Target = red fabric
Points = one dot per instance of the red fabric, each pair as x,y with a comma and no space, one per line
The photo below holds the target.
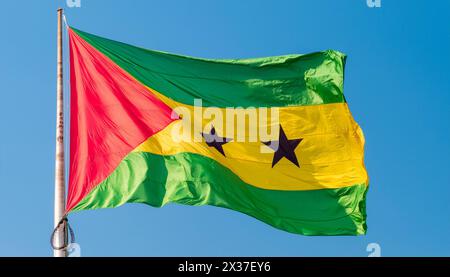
110,115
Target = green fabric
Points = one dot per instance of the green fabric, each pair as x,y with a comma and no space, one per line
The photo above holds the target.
291,80
192,179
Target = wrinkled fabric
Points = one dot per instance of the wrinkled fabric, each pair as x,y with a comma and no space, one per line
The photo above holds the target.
122,148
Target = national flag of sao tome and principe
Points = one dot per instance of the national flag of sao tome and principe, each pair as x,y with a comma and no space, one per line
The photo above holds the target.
310,179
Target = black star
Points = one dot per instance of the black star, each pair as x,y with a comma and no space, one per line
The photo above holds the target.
284,147
213,140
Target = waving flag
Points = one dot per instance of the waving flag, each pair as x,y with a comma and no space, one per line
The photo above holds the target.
129,106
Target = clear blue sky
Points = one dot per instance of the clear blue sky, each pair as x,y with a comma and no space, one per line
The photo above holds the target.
397,85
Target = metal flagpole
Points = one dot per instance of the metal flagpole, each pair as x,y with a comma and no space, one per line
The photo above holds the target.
60,238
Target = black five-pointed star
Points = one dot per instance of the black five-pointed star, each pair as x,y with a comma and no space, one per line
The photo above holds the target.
284,147
213,140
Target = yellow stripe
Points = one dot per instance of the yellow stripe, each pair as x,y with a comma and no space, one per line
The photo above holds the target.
330,155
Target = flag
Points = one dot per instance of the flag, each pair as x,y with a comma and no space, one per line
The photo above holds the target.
269,137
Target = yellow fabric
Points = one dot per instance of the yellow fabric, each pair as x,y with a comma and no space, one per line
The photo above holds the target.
330,155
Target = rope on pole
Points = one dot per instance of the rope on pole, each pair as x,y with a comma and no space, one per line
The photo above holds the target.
64,223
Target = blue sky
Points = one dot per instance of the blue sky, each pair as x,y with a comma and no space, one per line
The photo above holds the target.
397,85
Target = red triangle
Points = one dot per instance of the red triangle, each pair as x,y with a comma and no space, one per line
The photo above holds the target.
110,115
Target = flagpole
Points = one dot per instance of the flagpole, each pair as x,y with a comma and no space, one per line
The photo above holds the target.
60,238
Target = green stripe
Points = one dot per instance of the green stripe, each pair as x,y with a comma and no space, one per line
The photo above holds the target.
291,80
192,179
